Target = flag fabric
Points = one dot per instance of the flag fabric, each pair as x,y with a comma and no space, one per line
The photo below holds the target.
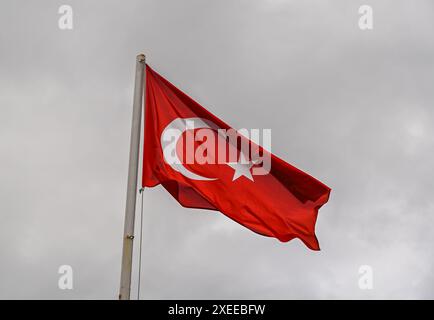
282,203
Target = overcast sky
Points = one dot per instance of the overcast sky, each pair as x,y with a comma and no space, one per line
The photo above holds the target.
353,108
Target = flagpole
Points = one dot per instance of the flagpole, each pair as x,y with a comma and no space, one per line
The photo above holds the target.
127,249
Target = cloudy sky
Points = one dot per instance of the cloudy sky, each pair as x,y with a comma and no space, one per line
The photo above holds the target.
353,108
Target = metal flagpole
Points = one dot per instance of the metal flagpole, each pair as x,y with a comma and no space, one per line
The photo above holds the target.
127,249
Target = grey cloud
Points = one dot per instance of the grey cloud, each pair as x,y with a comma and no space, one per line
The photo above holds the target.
352,108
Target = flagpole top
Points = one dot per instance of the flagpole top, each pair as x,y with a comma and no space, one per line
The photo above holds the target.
141,57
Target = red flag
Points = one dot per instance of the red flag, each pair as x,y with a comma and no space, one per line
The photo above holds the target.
282,203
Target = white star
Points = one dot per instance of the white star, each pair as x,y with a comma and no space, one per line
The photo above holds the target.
242,168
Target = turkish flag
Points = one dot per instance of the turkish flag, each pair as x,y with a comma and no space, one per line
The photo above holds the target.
282,202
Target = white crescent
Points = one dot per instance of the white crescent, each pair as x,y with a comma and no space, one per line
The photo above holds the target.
180,126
